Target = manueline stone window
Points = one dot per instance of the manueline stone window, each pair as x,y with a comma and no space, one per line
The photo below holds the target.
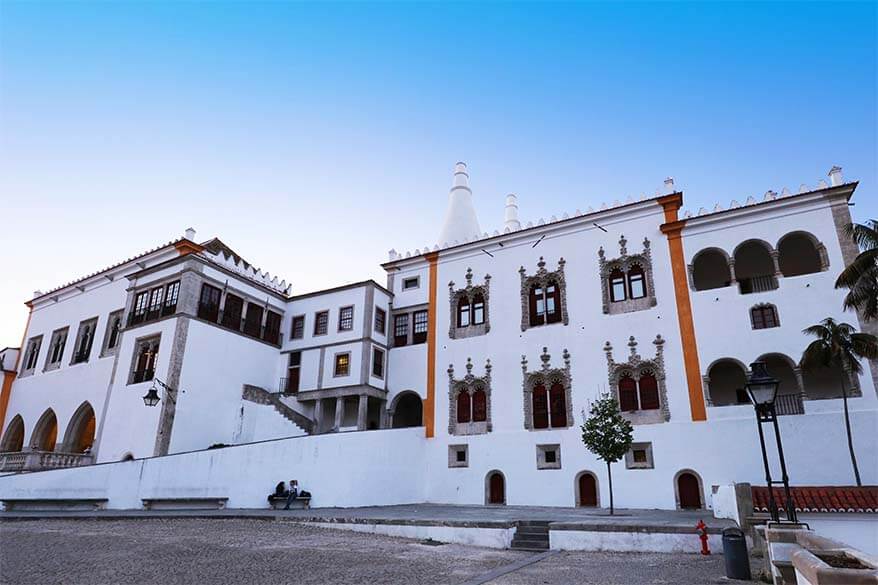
469,401
31,355
84,340
112,333
626,281
56,349
543,296
469,308
548,399
764,316
639,385
146,355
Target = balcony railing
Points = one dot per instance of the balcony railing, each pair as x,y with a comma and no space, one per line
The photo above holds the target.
288,386
40,460
757,284
789,404
152,314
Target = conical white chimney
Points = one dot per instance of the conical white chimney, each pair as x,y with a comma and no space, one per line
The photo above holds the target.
461,223
511,217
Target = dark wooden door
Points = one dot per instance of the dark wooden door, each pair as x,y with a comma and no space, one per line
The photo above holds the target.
690,495
588,491
496,490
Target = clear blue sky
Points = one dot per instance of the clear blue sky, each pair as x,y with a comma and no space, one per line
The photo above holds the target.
315,137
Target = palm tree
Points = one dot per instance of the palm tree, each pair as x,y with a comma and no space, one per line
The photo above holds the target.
861,277
839,344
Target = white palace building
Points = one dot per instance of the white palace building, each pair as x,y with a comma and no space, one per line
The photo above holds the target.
461,379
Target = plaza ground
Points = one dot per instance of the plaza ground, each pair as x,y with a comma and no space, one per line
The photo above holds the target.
214,551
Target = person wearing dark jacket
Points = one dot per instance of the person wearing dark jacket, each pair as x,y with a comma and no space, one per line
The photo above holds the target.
292,494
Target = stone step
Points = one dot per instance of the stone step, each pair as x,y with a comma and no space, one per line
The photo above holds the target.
532,530
528,540
530,546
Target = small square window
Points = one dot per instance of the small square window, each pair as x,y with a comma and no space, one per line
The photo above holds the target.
639,456
342,364
458,456
549,456
321,323
410,283
346,319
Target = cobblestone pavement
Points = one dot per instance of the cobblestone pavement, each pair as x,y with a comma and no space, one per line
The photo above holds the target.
209,551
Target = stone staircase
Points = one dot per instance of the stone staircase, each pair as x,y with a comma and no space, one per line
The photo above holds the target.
531,535
263,396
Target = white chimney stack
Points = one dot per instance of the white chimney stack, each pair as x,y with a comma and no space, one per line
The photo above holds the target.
669,186
461,223
835,177
511,218
190,234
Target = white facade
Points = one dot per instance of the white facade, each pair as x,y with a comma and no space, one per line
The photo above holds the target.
365,358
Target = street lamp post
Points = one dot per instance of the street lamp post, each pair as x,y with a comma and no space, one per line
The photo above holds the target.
151,398
762,389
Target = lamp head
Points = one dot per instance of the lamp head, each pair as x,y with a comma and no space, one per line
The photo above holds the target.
761,387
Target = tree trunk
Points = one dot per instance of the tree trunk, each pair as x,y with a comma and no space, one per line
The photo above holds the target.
847,424
610,476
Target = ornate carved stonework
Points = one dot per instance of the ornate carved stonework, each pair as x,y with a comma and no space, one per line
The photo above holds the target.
542,277
634,367
469,293
471,384
625,262
547,376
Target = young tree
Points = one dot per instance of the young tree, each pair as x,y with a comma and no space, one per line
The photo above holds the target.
839,344
861,277
607,434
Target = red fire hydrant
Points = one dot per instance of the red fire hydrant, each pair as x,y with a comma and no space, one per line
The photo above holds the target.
701,529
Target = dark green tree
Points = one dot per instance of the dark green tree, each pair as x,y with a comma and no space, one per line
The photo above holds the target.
607,434
860,278
839,344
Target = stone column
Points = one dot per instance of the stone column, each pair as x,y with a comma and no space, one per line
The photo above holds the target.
775,259
384,415
734,279
318,415
339,413
362,412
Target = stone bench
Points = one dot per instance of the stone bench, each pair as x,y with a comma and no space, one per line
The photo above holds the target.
185,503
278,502
53,504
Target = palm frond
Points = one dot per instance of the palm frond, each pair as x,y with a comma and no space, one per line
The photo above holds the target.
865,345
817,354
864,266
865,235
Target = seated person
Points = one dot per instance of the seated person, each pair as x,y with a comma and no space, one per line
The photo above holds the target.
280,490
292,494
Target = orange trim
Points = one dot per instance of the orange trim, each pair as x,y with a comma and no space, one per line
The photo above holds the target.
430,401
186,247
9,377
673,229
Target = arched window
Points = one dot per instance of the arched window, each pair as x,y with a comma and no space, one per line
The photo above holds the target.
45,433
649,395
558,405
726,380
478,309
407,410
553,303
754,267
540,407
617,285
13,438
627,393
764,317
537,304
463,407
114,332
480,406
636,282
463,314
710,269
798,254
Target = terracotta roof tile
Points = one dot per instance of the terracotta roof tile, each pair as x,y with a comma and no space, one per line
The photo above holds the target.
848,499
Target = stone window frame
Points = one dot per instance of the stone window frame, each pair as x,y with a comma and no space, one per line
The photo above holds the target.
417,285
635,366
546,375
335,357
541,277
624,262
62,333
469,292
453,461
152,339
84,326
34,345
342,318
317,314
382,360
469,383
541,456
293,319
383,320
629,456
763,306
106,350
